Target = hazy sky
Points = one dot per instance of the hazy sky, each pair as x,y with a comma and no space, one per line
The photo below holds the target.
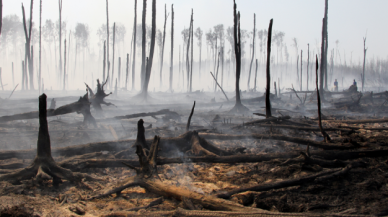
349,20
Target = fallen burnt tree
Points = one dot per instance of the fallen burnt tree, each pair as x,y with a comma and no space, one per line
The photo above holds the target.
81,106
165,112
43,164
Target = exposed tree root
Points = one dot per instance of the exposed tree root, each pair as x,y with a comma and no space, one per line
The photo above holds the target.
98,98
43,162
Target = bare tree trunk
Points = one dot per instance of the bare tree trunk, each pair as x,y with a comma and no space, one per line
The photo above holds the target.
113,55
164,39
308,62
179,72
60,40
107,40
40,47
254,88
134,47
322,69
172,46
68,60
23,78
104,62
187,54
13,77
363,66
127,72
301,69
143,45
253,49
64,68
27,48
192,50
238,107
216,79
1,15
119,72
151,55
297,67
268,89
326,42
28,41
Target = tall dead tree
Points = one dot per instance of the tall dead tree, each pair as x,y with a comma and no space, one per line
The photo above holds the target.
64,67
104,62
126,71
253,49
60,40
192,50
238,107
254,87
363,65
322,69
113,54
198,34
40,46
187,54
143,43
301,69
119,71
28,50
107,40
172,47
308,62
326,42
134,47
164,39
1,15
268,88
324,134
151,55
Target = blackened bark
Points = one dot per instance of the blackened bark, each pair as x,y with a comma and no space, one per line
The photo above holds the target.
164,39
134,47
192,50
268,89
254,88
126,72
64,68
301,69
40,46
60,39
308,62
172,47
104,62
107,39
143,44
253,49
322,71
363,66
113,55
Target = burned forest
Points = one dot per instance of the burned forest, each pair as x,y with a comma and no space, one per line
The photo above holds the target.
190,108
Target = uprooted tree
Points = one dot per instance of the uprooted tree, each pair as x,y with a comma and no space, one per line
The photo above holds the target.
98,98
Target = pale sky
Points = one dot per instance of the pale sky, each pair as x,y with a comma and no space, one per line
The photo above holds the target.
349,21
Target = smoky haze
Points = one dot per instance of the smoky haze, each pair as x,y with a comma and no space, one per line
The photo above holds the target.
85,23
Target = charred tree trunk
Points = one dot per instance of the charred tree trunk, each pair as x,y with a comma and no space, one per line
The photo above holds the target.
23,78
60,40
104,62
363,66
1,15
13,77
253,50
164,39
113,54
119,71
134,47
324,134
238,107
297,67
107,40
254,87
308,62
151,55
322,69
192,51
326,42
216,79
126,72
187,53
301,69
28,41
64,68
143,45
268,89
172,47
40,47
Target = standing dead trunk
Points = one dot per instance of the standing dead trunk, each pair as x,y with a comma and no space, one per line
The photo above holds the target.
13,77
268,89
126,71
218,65
107,38
322,69
254,88
134,47
40,47
326,42
151,55
68,62
308,62
164,39
187,54
253,49
60,40
238,107
172,47
363,66
192,50
143,44
104,62
119,71
1,81
297,67
64,68
113,55
301,69
1,15
23,78
28,41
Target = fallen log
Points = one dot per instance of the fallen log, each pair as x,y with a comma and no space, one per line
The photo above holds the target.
144,114
302,128
263,121
364,121
281,184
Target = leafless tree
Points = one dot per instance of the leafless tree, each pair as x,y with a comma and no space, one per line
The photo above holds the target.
172,47
253,49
